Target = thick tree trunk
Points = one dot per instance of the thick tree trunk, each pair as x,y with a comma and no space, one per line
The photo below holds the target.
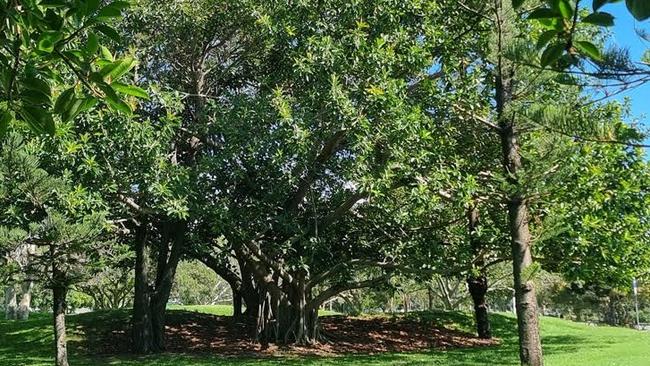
142,326
10,302
60,342
25,300
478,284
250,291
237,306
151,301
478,288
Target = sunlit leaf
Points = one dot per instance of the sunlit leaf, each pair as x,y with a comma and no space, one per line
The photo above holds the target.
551,54
588,49
599,18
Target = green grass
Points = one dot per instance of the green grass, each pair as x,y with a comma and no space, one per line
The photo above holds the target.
226,309
565,344
207,309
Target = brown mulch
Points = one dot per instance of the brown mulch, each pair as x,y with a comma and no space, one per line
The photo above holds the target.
201,333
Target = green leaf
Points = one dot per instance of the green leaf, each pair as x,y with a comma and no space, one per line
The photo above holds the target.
71,110
47,40
565,79
90,6
112,10
87,104
38,119
565,8
53,3
130,90
64,101
35,98
108,32
37,84
597,4
5,119
92,45
544,13
640,9
551,54
118,68
113,101
599,18
106,53
517,3
588,49
545,38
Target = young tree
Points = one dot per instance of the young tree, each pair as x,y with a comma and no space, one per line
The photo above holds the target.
55,218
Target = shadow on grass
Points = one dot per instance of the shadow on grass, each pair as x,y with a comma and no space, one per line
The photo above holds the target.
30,343
26,342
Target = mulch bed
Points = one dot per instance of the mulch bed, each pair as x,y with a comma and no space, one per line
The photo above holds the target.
204,333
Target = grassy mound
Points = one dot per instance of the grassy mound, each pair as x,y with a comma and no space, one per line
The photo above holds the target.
565,343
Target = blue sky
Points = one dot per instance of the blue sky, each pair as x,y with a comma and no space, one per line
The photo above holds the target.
625,36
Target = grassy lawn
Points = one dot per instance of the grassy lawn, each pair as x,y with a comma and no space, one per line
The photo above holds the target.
226,309
565,344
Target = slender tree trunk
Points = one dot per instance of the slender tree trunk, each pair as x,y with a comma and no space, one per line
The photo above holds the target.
60,342
530,348
430,298
25,300
478,286
405,299
142,327
10,302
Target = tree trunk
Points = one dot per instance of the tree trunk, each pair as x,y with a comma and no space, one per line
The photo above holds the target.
405,299
25,300
60,342
169,254
237,312
142,327
477,289
10,302
158,308
530,348
478,284
250,292
430,298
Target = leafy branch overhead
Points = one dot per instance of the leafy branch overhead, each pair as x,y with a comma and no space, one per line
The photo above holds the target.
54,64
561,41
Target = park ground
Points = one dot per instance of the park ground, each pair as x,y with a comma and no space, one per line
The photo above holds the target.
204,335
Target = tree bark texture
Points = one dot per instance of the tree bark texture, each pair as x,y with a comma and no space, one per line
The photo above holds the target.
151,300
530,348
10,303
24,305
478,286
60,342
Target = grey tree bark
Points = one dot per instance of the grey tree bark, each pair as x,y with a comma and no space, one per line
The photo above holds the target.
530,348
10,303
24,305
60,341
